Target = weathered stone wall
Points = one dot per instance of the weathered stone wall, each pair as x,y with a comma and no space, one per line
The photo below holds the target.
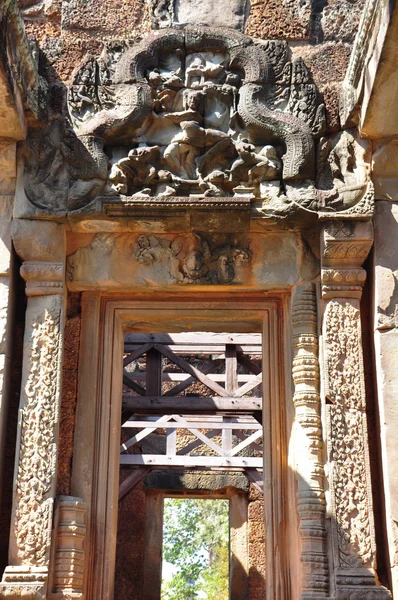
256,545
130,549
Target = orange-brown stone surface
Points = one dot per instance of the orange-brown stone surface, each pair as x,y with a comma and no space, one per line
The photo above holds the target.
69,393
273,19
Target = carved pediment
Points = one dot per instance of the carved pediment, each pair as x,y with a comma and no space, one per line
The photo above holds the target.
188,113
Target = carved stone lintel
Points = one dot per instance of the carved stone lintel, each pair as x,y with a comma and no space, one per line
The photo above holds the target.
345,246
68,553
310,486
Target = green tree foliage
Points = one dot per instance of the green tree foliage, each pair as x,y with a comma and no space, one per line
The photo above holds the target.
196,542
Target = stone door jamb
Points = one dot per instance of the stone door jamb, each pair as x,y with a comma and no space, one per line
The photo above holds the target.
96,448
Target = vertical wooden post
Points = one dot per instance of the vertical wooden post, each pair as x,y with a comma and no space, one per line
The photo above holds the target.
153,373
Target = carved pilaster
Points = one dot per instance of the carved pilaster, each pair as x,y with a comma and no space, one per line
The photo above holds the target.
67,578
345,247
41,245
310,486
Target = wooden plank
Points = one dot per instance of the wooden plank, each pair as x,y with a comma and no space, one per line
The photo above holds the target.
183,364
250,419
194,424
246,442
190,461
249,364
171,442
231,367
201,436
142,434
208,368
240,435
244,389
137,353
153,372
191,404
257,477
166,376
136,387
203,349
131,481
227,439
193,445
197,337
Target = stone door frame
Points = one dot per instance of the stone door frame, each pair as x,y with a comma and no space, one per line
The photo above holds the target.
95,471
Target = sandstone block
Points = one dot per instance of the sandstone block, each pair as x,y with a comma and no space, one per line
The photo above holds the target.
227,13
385,170
386,261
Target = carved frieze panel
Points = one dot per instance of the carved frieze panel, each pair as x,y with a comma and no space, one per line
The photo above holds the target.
192,112
346,398
345,246
139,261
36,468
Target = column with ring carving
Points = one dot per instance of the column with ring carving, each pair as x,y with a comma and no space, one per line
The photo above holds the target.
308,434
41,245
345,246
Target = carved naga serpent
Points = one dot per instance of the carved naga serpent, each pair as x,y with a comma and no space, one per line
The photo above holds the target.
261,68
254,108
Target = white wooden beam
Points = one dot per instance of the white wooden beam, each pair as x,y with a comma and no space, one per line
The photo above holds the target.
191,461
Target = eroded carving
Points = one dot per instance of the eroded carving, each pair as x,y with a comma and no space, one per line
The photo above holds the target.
193,112
191,259
37,455
343,171
345,393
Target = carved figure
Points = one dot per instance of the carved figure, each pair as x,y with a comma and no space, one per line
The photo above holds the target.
254,167
190,259
198,70
136,170
344,171
210,102
181,154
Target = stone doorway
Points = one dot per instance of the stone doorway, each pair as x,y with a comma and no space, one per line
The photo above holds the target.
105,323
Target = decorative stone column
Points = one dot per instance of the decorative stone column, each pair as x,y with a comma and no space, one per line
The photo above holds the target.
345,246
67,570
308,435
41,245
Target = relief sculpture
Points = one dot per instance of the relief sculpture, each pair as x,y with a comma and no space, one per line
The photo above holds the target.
188,113
191,260
37,467
197,112
348,426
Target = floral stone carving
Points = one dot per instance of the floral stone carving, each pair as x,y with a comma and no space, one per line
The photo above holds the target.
193,112
36,468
